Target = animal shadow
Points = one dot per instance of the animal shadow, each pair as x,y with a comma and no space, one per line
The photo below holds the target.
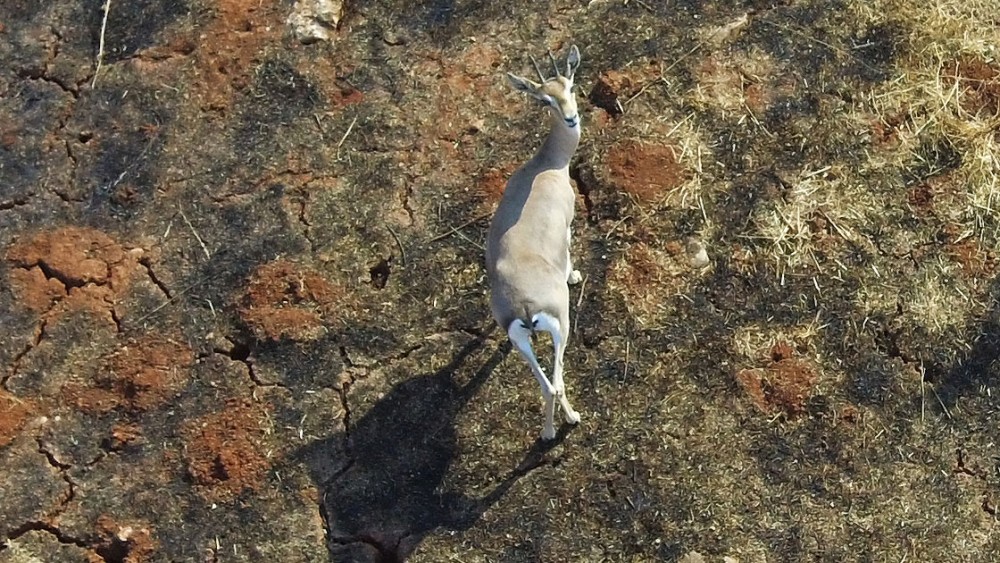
387,495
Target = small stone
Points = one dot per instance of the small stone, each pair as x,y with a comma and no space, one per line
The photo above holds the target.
697,253
692,557
313,20
394,37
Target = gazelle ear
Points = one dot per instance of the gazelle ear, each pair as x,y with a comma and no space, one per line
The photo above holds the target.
572,61
530,88
523,84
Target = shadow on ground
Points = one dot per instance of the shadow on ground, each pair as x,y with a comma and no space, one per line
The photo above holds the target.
387,496
978,368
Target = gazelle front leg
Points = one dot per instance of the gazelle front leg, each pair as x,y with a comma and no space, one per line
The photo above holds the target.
574,276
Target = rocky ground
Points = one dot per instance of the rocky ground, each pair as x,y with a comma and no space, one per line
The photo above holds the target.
244,312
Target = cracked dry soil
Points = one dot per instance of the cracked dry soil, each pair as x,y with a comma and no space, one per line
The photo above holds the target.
243,311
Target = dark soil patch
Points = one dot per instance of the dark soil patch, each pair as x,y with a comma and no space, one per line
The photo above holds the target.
129,31
876,50
125,543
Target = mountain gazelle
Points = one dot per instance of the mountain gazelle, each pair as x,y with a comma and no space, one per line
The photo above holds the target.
527,248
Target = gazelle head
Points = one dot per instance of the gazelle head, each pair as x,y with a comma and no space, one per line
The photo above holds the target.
555,92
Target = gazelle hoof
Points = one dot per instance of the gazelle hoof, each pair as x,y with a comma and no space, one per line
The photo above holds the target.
574,277
573,417
548,434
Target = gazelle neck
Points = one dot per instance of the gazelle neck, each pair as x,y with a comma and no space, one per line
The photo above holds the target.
560,145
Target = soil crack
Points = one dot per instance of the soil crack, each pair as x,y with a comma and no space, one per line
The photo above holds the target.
114,317
345,386
53,273
39,526
35,341
963,469
304,221
241,353
148,265
42,74
584,187
405,201
63,469
988,505
12,203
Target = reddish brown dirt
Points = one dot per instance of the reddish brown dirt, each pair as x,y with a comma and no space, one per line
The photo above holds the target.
460,85
644,269
784,385
611,89
614,88
647,277
224,451
933,194
885,129
286,300
139,376
36,291
647,172
921,198
125,434
90,399
720,83
980,83
760,95
461,93
229,48
757,98
14,413
71,269
970,254
74,255
491,185
850,414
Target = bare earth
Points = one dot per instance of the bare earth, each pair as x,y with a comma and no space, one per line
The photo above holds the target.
243,311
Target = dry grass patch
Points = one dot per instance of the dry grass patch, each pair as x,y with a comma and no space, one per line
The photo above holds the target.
948,91
648,278
817,211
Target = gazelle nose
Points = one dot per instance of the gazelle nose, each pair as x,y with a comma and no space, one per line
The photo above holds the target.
572,121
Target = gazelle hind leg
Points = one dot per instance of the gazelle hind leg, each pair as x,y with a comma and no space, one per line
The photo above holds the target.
548,323
572,416
549,427
520,337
